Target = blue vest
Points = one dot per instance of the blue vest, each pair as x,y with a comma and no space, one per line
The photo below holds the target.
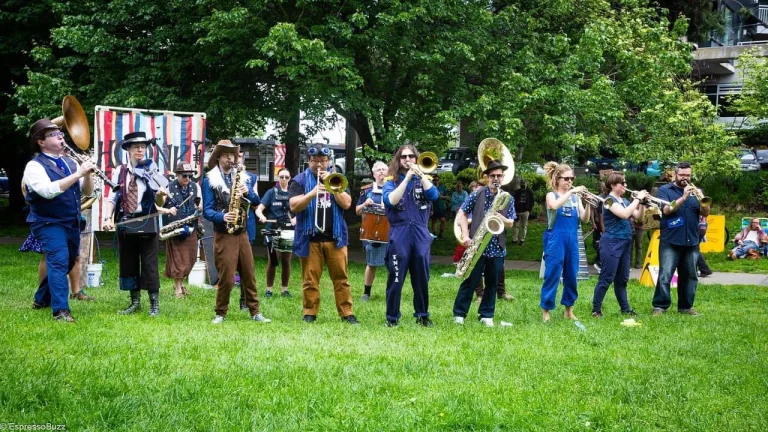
64,209
300,241
616,227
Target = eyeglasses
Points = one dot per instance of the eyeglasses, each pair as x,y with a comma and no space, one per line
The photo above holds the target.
186,176
496,175
285,177
622,183
567,178
55,135
318,161
407,156
314,151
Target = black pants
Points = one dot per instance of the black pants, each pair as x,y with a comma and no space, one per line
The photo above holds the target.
702,265
138,262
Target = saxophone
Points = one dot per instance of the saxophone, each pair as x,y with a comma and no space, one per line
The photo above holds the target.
238,203
177,228
491,225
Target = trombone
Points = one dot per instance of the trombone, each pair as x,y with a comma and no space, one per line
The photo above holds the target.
334,184
425,164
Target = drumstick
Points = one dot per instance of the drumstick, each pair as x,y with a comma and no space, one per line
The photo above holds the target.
271,221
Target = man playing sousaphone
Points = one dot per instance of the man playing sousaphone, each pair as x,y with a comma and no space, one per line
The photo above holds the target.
371,198
481,205
321,234
138,194
224,190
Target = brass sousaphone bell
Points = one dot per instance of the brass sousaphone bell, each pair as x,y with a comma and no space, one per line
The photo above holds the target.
73,119
490,149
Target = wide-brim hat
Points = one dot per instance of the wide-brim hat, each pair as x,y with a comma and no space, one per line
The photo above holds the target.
40,126
223,146
184,167
494,165
134,138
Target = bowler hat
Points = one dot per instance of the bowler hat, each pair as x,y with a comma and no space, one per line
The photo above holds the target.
494,165
184,167
134,138
35,132
223,146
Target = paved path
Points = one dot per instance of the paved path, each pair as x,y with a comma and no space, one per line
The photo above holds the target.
356,254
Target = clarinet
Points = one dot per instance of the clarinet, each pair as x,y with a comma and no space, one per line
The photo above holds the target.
82,159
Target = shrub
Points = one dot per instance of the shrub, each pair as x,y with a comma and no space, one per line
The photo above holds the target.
467,176
448,180
748,191
639,181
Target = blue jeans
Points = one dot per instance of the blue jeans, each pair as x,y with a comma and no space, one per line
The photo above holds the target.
615,255
682,259
61,246
745,247
492,267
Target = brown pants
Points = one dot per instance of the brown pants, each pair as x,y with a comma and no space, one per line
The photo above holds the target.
231,253
312,269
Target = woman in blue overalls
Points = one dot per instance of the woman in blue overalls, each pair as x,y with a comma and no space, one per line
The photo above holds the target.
616,244
408,200
561,242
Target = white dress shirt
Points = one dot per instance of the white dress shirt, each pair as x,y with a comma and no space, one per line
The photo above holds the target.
36,179
141,186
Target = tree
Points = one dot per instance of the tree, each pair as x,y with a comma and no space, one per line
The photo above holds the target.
751,102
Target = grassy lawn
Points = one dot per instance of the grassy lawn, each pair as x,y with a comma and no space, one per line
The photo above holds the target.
179,372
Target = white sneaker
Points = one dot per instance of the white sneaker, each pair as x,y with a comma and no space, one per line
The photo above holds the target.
261,318
458,320
488,322
218,320
597,267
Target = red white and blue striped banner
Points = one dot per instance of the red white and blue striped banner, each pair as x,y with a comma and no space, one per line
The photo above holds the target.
180,136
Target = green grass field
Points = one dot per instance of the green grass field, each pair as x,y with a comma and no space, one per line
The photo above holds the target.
179,372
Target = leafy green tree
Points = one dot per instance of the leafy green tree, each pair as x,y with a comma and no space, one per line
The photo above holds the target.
751,102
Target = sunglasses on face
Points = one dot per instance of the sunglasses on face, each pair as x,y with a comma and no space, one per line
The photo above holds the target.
55,135
186,176
314,151
567,178
408,156
284,177
496,175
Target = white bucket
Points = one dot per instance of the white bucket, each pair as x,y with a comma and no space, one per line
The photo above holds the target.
199,274
93,272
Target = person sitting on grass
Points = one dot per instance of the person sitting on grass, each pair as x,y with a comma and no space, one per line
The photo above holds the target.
751,238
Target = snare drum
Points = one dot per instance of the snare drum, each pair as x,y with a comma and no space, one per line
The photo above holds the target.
284,243
375,226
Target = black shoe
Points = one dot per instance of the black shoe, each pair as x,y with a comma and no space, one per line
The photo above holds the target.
64,316
36,305
629,312
597,314
310,318
285,294
425,321
351,319
135,304
521,242
705,274
154,304
243,305
392,323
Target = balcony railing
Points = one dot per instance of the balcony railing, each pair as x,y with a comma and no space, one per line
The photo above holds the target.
762,13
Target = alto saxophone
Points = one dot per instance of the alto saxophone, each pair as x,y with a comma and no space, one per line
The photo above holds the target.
177,228
237,203
491,225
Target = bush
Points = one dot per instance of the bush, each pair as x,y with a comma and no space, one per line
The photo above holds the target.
639,181
746,192
591,183
467,176
449,181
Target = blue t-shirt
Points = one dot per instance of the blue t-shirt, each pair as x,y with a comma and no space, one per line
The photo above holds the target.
681,227
275,201
494,249
616,227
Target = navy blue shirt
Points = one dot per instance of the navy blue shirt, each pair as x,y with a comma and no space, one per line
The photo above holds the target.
681,227
616,227
275,201
494,249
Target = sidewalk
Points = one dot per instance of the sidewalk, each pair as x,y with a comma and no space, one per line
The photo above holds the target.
357,255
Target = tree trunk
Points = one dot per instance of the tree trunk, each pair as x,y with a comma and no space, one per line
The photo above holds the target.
292,140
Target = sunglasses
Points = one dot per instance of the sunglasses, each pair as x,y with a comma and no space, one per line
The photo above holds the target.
55,135
408,156
285,177
186,176
496,175
314,151
567,178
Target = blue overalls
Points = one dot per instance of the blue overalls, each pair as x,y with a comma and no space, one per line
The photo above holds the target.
409,244
561,255
615,254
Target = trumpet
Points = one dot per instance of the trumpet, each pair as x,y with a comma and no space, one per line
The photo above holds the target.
659,203
81,159
705,201
594,200
334,184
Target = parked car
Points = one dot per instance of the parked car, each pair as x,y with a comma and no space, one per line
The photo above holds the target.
457,159
762,158
3,181
748,161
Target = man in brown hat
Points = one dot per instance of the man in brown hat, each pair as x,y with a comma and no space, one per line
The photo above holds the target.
181,246
54,185
140,193
231,246
491,261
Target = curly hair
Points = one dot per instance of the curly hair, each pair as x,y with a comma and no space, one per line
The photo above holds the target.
553,170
